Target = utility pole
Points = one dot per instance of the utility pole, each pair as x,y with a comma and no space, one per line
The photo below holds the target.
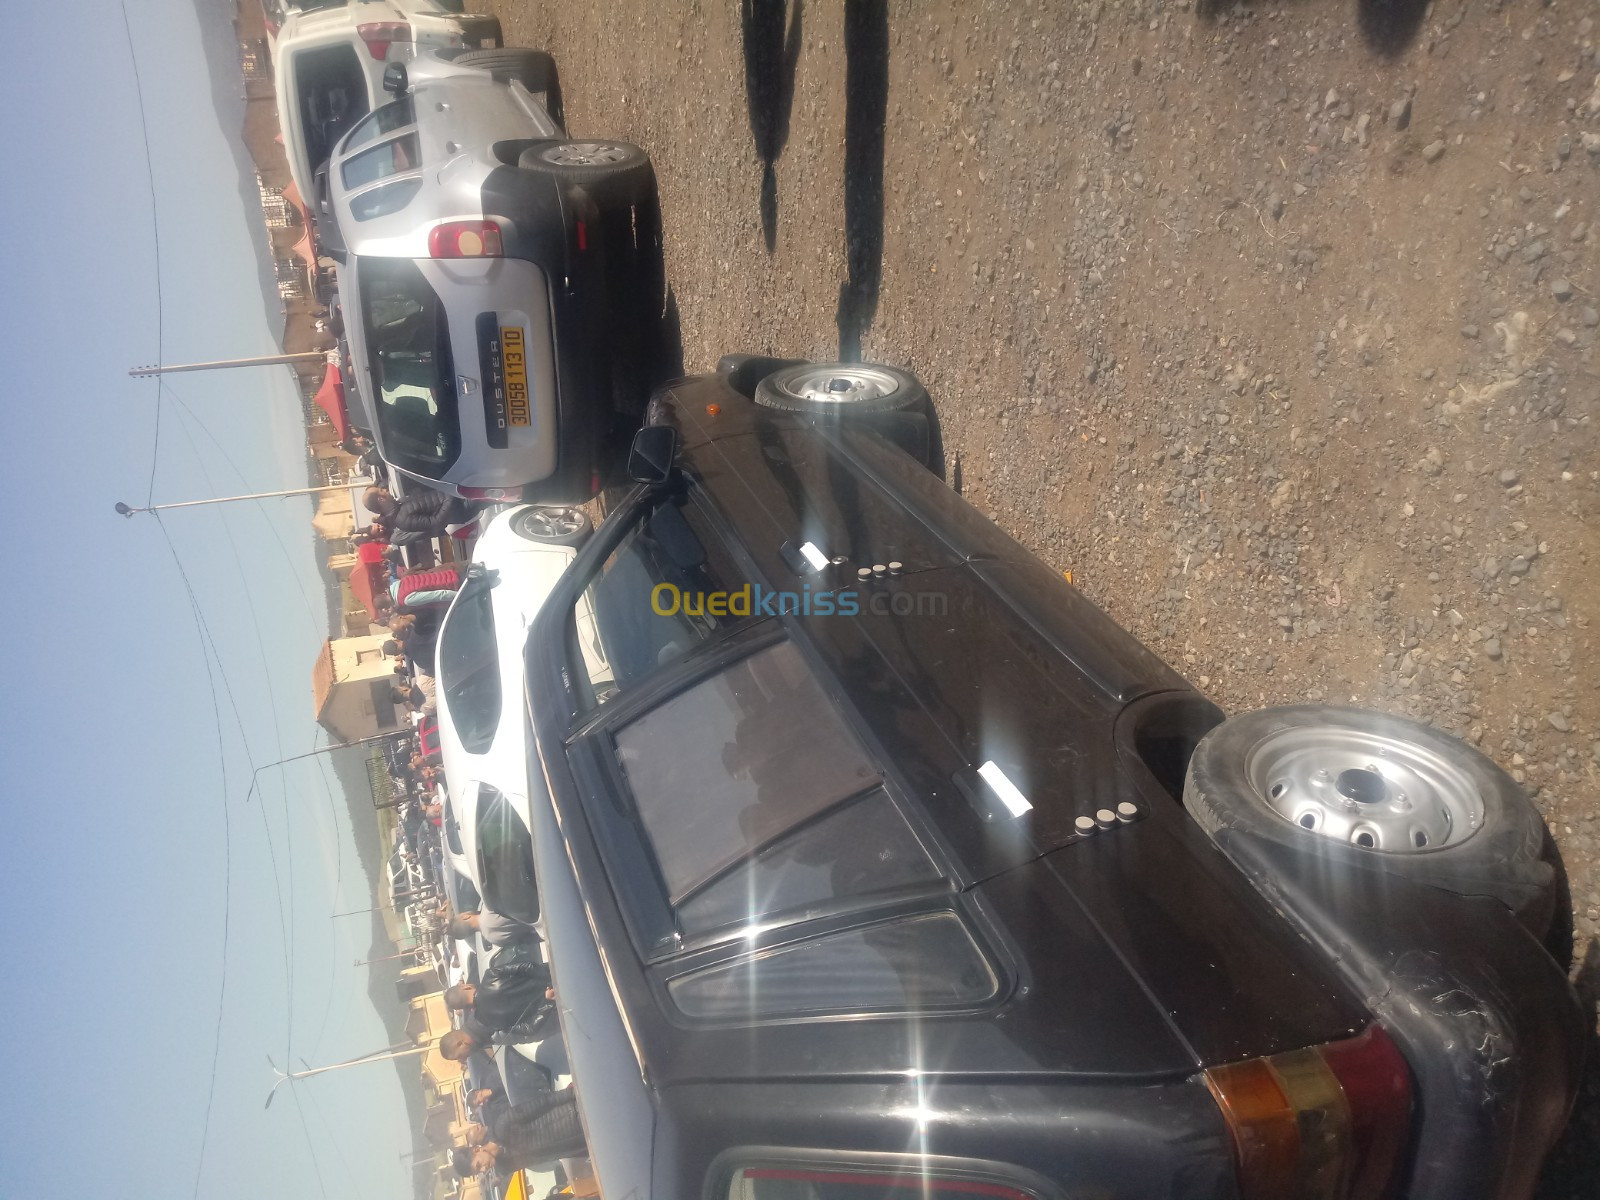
417,953
129,510
265,360
392,1052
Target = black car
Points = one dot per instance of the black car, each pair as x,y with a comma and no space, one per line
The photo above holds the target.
876,860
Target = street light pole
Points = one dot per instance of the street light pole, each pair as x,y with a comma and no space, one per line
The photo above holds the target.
391,1053
264,360
129,510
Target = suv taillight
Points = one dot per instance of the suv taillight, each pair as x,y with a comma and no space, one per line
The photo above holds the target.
465,239
1328,1123
377,35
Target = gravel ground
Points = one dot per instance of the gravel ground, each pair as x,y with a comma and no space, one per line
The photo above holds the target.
1276,327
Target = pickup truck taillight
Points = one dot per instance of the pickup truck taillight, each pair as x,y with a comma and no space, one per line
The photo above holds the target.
378,35
1327,1123
465,239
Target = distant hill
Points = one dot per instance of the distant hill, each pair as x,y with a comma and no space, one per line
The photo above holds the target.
227,100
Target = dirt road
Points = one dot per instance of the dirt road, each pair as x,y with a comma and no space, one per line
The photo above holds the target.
1278,332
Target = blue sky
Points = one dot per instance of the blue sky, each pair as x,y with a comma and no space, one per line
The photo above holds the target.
114,856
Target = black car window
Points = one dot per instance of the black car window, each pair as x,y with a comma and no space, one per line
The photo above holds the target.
469,667
408,343
772,1178
864,848
666,588
392,116
394,157
730,765
909,964
331,91
505,858
381,201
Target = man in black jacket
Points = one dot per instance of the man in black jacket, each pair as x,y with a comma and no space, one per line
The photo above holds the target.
423,511
527,1136
512,1003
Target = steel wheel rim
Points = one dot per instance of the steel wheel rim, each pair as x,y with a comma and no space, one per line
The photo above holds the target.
1386,794
841,383
586,154
552,522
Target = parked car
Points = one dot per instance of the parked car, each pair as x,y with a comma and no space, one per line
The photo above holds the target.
329,59
482,728
877,861
489,262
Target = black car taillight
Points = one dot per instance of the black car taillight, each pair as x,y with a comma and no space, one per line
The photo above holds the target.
1326,1123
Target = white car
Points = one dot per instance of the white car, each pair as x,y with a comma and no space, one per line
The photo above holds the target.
328,63
482,729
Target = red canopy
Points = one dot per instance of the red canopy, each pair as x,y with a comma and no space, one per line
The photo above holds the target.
330,399
370,553
365,581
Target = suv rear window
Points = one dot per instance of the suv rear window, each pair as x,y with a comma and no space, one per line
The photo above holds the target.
408,344
724,769
331,93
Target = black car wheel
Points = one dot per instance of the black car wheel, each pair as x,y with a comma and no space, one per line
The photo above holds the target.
533,69
1376,792
841,389
553,526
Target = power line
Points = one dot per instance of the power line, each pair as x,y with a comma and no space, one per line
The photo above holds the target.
327,787
155,231
277,730
227,860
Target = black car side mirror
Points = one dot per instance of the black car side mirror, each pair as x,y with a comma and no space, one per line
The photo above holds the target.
395,80
651,457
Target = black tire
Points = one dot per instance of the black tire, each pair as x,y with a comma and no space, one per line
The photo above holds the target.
1504,858
877,389
533,69
620,173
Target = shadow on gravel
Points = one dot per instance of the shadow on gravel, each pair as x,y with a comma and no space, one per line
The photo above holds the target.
866,105
771,31
1570,1172
1389,26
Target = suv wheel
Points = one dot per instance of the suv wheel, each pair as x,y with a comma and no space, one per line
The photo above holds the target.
841,389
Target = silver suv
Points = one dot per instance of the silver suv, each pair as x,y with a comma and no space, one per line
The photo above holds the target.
485,255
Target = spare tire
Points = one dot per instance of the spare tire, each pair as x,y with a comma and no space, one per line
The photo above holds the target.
841,389
1377,792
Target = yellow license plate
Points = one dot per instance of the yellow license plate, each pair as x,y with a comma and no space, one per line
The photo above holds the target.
514,365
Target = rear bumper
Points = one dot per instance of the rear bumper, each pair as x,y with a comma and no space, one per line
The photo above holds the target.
541,223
